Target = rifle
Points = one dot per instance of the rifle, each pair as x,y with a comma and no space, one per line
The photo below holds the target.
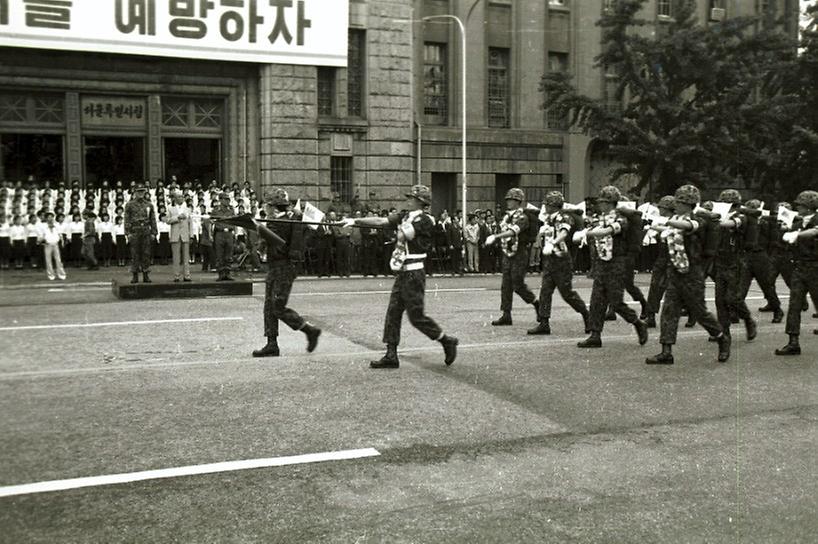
247,221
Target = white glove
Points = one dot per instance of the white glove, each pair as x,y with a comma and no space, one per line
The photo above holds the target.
548,248
580,236
349,222
490,239
791,237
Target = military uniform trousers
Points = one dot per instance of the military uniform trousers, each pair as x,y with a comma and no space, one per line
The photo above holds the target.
658,285
277,288
758,267
608,290
781,263
141,250
729,302
804,280
557,273
408,293
514,270
223,249
685,291
630,276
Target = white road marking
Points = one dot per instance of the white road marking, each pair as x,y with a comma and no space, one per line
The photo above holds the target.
193,470
389,291
119,323
77,289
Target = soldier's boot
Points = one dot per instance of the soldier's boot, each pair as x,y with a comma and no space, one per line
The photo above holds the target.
586,322
135,278
146,278
691,322
449,344
664,358
270,350
503,321
389,360
766,308
312,336
650,320
724,347
778,315
610,315
641,331
792,347
543,327
752,328
593,341
536,305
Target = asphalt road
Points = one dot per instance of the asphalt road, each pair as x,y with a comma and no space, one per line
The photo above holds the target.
521,440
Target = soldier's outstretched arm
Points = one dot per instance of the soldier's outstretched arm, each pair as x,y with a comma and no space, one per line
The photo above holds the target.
273,239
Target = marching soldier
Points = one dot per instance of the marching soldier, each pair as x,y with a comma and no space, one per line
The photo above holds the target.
557,266
609,270
685,278
757,264
141,230
223,236
284,250
804,279
414,240
658,276
515,256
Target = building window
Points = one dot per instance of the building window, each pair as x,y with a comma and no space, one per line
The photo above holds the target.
663,8
498,94
32,109
557,62
435,84
613,102
341,177
355,73
174,112
192,114
326,90
557,2
207,114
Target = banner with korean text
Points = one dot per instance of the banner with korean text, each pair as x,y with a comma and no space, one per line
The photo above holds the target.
310,32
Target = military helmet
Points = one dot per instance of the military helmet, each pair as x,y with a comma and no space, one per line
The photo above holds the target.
277,197
609,193
139,186
515,194
808,199
785,204
688,194
708,205
666,202
731,196
555,199
754,204
422,193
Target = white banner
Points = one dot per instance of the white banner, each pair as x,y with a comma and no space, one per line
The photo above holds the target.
311,32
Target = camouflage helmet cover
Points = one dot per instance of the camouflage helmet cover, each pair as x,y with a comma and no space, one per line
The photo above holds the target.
688,194
808,199
515,194
708,205
277,197
666,202
754,204
422,193
609,193
731,196
555,199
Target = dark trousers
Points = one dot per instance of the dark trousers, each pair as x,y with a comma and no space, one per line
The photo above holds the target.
759,268
88,244
658,285
408,293
685,291
206,252
729,302
514,270
140,242
342,256
557,273
456,260
804,280
277,288
370,260
609,290
35,252
223,248
630,276
323,251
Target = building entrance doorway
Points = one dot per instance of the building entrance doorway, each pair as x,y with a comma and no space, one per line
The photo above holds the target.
444,192
114,159
192,159
35,156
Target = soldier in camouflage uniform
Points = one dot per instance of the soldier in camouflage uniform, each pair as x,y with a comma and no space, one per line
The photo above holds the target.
685,278
284,250
804,241
515,257
658,276
141,230
757,264
415,232
223,236
609,270
557,266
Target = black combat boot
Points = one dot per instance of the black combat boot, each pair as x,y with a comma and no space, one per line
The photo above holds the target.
752,328
593,341
724,347
586,321
778,315
146,278
504,320
542,328
449,344
270,350
390,360
312,336
650,320
664,358
135,278
766,308
792,347
641,331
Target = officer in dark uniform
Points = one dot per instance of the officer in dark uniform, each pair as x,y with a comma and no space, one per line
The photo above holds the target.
223,236
284,250
515,258
413,241
609,269
757,265
658,276
557,266
685,278
804,241
141,230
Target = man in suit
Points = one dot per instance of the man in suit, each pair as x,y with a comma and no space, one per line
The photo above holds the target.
179,221
323,248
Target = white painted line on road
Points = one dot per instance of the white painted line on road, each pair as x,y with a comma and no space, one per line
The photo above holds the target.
193,470
120,323
389,291
77,289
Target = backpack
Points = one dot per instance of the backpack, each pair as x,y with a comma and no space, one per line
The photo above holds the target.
634,234
527,236
575,219
709,233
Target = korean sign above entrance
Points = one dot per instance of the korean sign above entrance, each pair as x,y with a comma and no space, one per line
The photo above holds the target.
312,32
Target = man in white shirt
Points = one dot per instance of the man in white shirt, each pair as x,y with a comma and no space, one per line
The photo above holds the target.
51,237
179,221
